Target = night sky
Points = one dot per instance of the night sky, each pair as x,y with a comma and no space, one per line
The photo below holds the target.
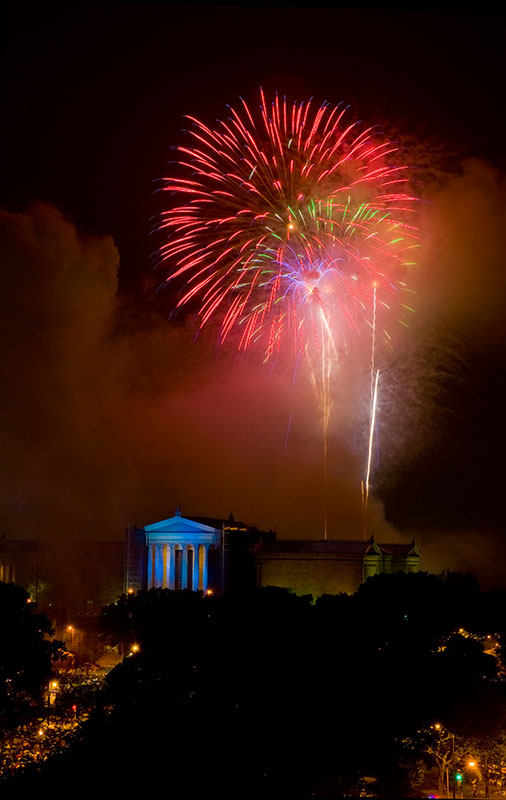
112,413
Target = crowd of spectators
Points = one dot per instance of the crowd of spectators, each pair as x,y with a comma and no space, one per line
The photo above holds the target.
53,727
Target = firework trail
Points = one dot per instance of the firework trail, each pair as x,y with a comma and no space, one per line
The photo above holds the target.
373,394
372,423
290,223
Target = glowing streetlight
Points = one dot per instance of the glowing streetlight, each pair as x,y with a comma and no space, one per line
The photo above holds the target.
52,692
71,630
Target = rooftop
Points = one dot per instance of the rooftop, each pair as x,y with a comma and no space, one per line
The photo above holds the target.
337,547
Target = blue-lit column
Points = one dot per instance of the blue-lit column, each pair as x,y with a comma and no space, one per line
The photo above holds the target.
196,567
205,548
171,551
158,566
184,570
164,566
201,567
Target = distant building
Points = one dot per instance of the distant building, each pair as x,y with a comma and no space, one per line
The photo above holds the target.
329,566
197,553
207,554
8,561
175,553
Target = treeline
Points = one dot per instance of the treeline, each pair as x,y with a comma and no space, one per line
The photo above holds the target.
266,694
26,654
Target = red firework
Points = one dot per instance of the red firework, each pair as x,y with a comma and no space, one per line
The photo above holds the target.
287,217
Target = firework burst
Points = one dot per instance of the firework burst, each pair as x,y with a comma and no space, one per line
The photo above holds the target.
288,221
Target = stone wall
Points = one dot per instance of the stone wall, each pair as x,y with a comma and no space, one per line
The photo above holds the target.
310,574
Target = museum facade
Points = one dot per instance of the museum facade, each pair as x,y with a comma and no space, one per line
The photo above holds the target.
212,555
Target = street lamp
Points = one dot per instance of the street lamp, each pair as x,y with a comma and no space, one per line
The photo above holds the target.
52,692
476,775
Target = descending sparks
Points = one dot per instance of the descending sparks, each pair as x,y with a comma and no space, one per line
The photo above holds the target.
372,423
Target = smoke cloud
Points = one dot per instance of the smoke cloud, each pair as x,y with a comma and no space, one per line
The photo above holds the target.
109,419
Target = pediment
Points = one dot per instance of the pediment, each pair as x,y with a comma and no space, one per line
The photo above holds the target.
178,524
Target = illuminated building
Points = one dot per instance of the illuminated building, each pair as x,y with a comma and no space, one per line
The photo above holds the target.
183,553
205,554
